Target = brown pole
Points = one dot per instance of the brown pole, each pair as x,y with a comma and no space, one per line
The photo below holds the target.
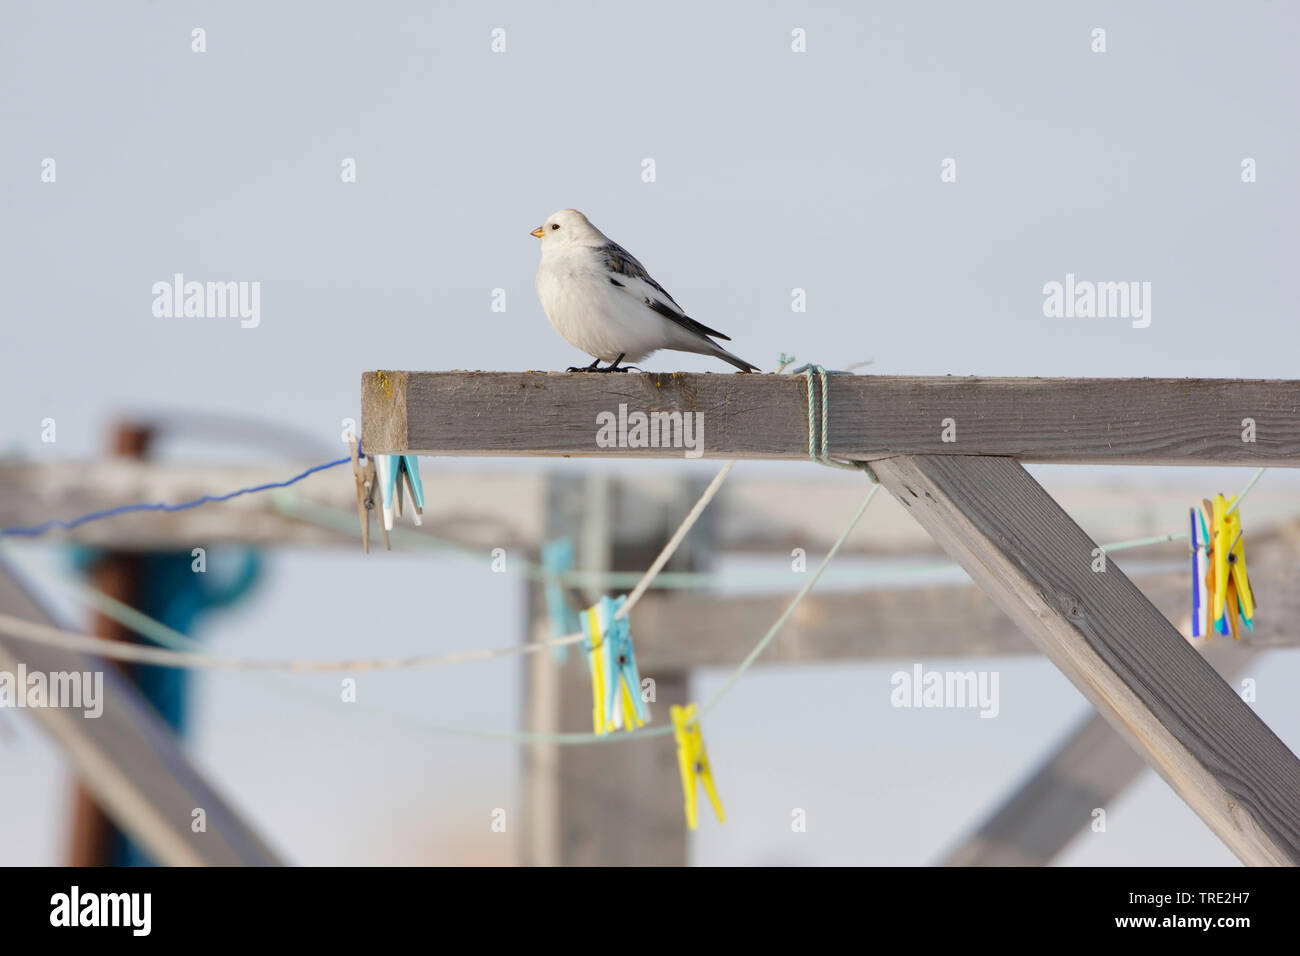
117,574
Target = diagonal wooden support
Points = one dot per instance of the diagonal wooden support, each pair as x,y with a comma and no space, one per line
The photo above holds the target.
1090,769
130,759
1094,765
1113,644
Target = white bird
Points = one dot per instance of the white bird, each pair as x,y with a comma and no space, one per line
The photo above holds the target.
604,302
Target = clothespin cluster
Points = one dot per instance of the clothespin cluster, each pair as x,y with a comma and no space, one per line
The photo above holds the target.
1221,591
615,681
394,470
693,762
616,700
385,474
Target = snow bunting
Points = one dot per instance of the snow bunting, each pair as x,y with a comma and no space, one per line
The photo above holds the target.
604,302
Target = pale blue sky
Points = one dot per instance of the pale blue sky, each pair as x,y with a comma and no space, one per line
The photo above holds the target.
775,170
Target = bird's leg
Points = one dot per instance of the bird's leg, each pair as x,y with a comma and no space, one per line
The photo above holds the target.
613,366
588,368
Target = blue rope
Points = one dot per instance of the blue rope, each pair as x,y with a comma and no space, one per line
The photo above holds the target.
33,531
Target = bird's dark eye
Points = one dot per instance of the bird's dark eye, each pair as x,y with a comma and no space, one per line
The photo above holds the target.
555,225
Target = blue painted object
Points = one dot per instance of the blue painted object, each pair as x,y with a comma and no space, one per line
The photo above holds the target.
557,559
173,593
620,662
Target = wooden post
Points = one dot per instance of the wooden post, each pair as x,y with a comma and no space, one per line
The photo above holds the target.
615,804
116,574
1121,653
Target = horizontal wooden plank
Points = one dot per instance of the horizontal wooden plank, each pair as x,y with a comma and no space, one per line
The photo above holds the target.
1113,644
482,510
484,507
1134,421
915,623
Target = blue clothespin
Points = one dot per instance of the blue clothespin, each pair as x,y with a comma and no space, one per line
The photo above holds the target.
621,670
557,559
1199,538
392,469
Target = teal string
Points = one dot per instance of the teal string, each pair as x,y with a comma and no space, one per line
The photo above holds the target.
794,603
822,455
1245,491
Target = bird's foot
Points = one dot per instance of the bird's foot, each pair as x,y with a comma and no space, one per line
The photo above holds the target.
611,367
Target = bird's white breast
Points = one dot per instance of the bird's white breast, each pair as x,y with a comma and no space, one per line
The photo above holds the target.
591,312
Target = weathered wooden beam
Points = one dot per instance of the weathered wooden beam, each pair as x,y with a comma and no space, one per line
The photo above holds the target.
485,510
1120,652
1033,825
493,508
1088,770
1094,764
130,759
704,630
1132,421
916,623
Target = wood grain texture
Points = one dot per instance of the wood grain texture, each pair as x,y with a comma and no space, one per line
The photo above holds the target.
130,759
385,393
1134,421
1113,644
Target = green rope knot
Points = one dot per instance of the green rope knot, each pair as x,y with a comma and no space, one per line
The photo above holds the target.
819,421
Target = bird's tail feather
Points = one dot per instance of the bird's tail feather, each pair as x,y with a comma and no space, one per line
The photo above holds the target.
726,356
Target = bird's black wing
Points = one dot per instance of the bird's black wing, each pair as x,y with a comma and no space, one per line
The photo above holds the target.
619,262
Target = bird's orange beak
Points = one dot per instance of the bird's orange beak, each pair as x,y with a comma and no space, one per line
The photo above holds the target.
537,232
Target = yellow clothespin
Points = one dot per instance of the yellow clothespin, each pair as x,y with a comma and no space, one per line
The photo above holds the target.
593,630
693,761
367,484
1226,579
